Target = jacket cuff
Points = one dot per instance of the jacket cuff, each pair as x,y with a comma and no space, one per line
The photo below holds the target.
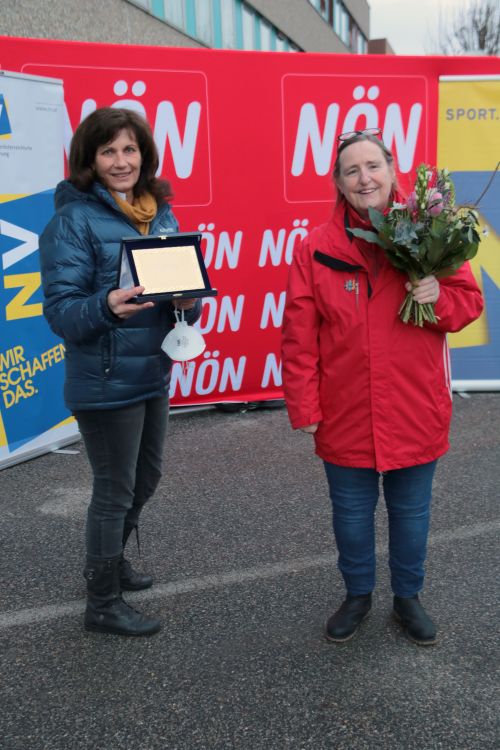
106,307
306,421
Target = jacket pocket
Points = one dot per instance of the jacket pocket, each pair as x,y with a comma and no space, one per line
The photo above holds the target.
107,354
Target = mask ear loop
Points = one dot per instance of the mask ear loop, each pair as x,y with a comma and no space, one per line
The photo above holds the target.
176,313
186,363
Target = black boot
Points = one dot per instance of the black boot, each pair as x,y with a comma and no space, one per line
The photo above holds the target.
130,579
106,611
416,623
343,624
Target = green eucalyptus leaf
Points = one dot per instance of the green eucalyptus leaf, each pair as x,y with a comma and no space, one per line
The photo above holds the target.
405,232
367,235
376,217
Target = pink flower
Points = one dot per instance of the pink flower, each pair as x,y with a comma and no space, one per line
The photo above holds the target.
412,202
435,203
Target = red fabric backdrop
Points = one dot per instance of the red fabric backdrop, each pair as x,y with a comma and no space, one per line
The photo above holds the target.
248,141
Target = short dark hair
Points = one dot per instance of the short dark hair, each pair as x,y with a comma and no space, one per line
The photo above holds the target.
101,127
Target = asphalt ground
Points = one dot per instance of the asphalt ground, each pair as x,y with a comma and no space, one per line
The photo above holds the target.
239,540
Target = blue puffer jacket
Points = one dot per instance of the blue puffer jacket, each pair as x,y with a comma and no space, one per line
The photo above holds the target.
109,362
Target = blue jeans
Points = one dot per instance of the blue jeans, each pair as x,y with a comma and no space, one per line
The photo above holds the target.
354,495
125,450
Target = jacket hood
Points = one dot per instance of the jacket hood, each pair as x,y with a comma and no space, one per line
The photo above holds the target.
67,193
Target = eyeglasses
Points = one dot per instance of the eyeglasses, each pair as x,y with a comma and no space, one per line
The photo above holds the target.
353,133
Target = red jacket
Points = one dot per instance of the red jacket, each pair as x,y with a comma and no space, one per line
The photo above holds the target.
379,388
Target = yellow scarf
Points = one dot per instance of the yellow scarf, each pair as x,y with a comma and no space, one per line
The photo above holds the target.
142,211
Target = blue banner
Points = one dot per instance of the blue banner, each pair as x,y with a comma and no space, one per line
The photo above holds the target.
33,418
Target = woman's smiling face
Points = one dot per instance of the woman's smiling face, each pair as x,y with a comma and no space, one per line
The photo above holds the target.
365,178
118,163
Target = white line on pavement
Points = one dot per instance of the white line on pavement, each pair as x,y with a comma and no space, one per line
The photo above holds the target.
36,615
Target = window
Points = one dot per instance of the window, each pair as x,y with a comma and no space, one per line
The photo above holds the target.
344,26
353,37
330,12
337,17
361,44
281,43
266,34
174,12
204,24
248,28
228,25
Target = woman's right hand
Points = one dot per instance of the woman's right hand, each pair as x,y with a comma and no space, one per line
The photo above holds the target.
310,429
118,302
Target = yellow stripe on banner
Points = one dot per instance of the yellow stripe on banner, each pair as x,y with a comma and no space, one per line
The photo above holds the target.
477,332
3,434
68,420
6,198
468,125
468,141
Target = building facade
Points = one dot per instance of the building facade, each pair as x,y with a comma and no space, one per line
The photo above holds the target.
339,26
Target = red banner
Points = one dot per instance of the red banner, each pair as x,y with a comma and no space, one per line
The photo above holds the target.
247,141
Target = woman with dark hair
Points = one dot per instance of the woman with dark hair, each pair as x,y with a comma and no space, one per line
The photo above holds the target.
99,129
375,393
117,377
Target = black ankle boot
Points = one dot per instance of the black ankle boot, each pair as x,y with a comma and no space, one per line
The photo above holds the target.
343,624
106,611
415,621
131,580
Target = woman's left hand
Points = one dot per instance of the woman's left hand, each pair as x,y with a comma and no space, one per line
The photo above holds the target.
425,290
120,305
184,304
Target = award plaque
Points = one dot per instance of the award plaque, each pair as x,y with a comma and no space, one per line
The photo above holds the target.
169,267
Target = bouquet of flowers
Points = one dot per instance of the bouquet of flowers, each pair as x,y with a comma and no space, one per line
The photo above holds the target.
427,235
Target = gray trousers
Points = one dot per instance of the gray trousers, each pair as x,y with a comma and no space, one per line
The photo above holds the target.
125,450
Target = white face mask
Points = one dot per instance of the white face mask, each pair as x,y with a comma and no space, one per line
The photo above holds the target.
183,342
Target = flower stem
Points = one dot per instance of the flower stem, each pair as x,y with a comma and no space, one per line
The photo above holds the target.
418,314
